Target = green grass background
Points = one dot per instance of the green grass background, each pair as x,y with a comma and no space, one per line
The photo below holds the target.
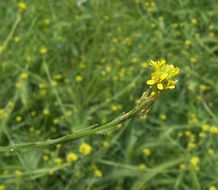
107,43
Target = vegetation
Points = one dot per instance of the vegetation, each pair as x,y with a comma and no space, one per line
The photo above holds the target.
82,106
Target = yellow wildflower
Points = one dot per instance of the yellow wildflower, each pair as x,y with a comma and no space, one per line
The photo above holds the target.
78,78
194,161
18,118
18,85
163,75
212,187
46,112
163,117
85,149
24,75
43,50
106,144
58,161
18,173
205,128
21,6
182,167
2,187
202,135
188,43
146,152
193,21
211,151
98,173
142,166
214,130
16,39
71,157
191,145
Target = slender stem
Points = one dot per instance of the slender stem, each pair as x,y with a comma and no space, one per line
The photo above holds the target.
79,134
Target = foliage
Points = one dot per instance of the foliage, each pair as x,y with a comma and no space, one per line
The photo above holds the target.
67,64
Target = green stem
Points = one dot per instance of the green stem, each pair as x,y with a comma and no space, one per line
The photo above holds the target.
80,134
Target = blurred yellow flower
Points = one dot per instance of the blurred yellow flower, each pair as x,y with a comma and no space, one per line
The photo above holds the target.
142,166
78,78
194,161
18,173
43,50
212,187
85,149
106,144
22,6
146,152
18,118
58,161
214,130
98,173
24,75
71,157
2,187
46,112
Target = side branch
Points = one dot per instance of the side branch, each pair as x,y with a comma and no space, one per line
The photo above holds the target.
144,105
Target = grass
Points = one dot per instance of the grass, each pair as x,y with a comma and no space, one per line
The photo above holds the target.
65,66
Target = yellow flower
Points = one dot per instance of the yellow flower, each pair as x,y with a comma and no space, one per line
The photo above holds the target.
85,149
191,145
18,118
214,130
54,83
46,21
202,135
98,173
163,75
106,144
205,128
2,187
212,187
42,86
146,152
43,50
163,117
194,161
182,167
71,157
46,112
188,43
18,173
16,39
24,75
211,151
193,21
21,6
142,166
58,161
78,78
18,85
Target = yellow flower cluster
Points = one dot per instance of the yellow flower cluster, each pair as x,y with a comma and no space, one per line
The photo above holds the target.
212,187
85,149
71,157
22,6
194,162
2,187
146,152
162,77
98,173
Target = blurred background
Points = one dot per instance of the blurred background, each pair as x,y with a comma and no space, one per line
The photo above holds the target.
69,64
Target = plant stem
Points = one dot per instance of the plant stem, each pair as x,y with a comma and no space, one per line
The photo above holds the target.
80,134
